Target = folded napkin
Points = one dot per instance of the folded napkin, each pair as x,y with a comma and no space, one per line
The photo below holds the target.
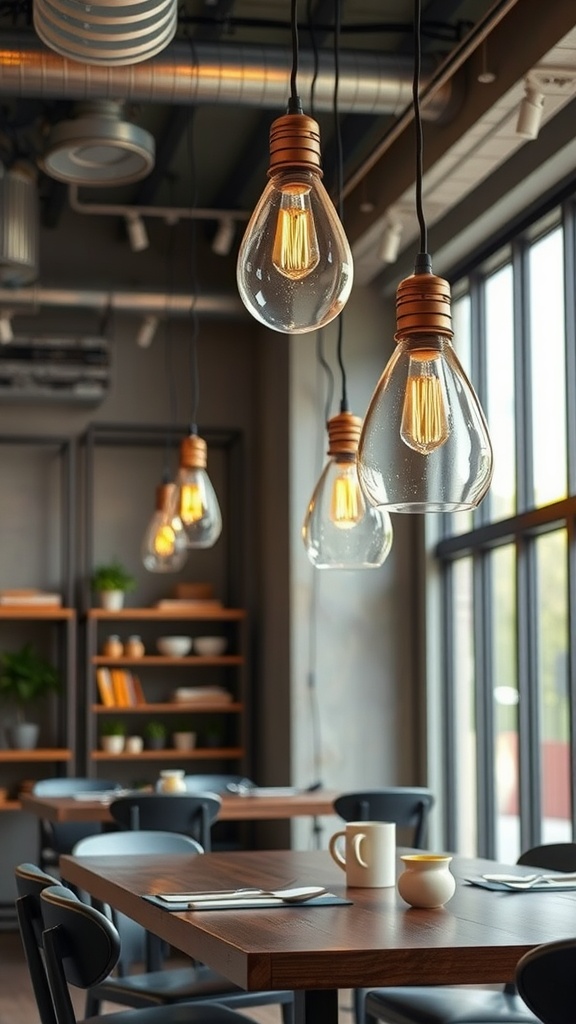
328,899
555,886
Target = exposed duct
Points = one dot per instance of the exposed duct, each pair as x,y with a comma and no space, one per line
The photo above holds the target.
30,300
206,72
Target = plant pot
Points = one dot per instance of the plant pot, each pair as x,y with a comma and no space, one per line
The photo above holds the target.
23,735
184,740
112,744
155,742
112,600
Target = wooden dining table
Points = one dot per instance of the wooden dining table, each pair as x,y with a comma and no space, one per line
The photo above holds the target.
273,806
375,940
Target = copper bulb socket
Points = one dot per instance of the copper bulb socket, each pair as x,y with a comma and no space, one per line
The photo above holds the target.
193,452
344,434
295,142
164,495
423,306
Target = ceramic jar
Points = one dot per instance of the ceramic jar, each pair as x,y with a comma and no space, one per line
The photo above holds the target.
426,880
113,647
134,648
171,781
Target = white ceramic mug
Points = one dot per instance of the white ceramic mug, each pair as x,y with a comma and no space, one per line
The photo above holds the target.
369,857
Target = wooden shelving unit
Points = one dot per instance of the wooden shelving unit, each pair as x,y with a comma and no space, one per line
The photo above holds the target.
158,673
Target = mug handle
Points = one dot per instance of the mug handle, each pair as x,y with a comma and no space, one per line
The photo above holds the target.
357,841
335,852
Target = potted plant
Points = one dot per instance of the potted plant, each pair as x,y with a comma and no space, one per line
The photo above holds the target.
155,735
25,676
111,582
112,736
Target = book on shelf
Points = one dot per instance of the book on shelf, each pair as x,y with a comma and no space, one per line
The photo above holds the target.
24,596
105,691
118,688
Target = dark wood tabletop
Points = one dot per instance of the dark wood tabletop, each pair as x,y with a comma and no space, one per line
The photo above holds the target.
377,940
234,808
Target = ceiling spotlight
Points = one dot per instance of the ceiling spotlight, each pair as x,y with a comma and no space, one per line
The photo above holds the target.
224,237
6,332
137,234
391,238
147,330
530,112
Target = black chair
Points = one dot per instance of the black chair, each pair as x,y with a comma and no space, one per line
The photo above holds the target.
178,812
466,1005
545,981
155,987
407,806
60,837
80,948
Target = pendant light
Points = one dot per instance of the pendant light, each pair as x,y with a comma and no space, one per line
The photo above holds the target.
295,266
424,446
164,546
197,503
341,530
198,506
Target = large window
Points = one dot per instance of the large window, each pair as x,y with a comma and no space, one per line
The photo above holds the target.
508,571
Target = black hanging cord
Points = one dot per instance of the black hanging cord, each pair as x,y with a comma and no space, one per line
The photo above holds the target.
423,261
169,354
344,406
194,326
314,43
294,103
328,371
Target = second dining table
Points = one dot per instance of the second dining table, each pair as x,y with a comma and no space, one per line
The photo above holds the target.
372,940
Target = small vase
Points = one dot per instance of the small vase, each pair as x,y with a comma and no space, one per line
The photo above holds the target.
426,880
184,740
172,781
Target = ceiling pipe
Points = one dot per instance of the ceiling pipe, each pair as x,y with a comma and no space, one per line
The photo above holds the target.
170,214
207,72
29,301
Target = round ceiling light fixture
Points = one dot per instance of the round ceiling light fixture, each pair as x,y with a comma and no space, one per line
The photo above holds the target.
98,147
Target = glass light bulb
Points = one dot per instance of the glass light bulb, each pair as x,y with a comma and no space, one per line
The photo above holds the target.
295,251
164,547
340,530
425,413
346,503
198,507
295,267
424,445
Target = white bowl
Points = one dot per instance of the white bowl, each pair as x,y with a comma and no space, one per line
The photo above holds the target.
174,646
210,646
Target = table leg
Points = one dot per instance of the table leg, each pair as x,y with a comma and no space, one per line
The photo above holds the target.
316,1005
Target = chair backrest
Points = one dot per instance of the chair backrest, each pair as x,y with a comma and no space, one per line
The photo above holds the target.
218,783
552,856
137,841
69,786
60,837
179,812
545,981
81,947
407,806
136,945
30,882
